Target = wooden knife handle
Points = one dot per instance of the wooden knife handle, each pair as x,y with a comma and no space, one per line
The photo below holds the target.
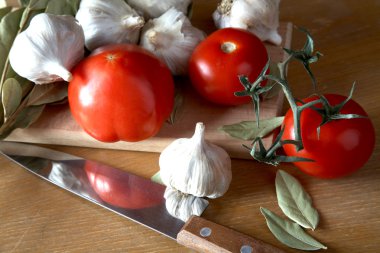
208,237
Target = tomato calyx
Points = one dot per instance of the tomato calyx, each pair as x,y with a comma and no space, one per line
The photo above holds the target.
330,113
305,55
270,156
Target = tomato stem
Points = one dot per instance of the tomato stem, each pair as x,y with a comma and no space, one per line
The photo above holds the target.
228,47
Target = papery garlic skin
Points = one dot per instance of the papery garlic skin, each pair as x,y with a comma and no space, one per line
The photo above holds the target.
183,206
260,17
155,8
48,49
108,22
195,166
172,38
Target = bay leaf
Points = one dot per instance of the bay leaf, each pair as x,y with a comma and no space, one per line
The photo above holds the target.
11,96
294,201
157,178
38,4
24,119
248,130
4,11
9,26
290,233
24,3
28,116
47,93
62,7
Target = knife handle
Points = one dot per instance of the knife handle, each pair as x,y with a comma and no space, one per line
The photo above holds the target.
205,236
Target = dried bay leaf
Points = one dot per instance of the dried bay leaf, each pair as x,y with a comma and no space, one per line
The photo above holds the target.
47,93
4,11
24,119
248,130
290,233
11,96
294,201
9,26
37,4
63,7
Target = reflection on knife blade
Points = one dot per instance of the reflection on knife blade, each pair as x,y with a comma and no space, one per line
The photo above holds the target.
130,196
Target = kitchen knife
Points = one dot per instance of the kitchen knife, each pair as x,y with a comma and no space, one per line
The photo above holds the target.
130,196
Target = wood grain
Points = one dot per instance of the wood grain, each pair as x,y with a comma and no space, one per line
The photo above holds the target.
38,217
57,126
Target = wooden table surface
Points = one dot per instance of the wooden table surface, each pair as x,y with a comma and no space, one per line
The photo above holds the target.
38,217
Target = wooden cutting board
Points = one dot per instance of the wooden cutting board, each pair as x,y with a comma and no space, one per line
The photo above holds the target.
56,125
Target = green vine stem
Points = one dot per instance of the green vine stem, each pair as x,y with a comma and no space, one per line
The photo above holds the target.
328,112
306,57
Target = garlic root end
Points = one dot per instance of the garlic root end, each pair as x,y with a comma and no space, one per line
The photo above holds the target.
133,22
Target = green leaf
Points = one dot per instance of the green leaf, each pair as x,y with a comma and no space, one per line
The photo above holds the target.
157,178
24,119
38,4
47,93
290,233
24,3
248,130
294,201
4,11
63,7
11,96
9,26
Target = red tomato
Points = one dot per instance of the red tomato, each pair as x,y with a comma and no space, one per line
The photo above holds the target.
217,62
342,147
121,92
123,190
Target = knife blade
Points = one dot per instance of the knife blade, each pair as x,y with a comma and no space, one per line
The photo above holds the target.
130,196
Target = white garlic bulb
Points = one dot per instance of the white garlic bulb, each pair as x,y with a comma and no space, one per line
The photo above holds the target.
172,38
183,206
195,166
47,50
260,17
108,22
155,8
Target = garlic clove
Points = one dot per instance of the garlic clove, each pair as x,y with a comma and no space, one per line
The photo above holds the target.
108,22
260,17
183,206
195,166
155,8
48,48
172,38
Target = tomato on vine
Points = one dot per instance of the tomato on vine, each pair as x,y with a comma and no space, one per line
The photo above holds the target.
336,148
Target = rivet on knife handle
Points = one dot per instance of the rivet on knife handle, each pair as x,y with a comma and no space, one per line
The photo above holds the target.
208,237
